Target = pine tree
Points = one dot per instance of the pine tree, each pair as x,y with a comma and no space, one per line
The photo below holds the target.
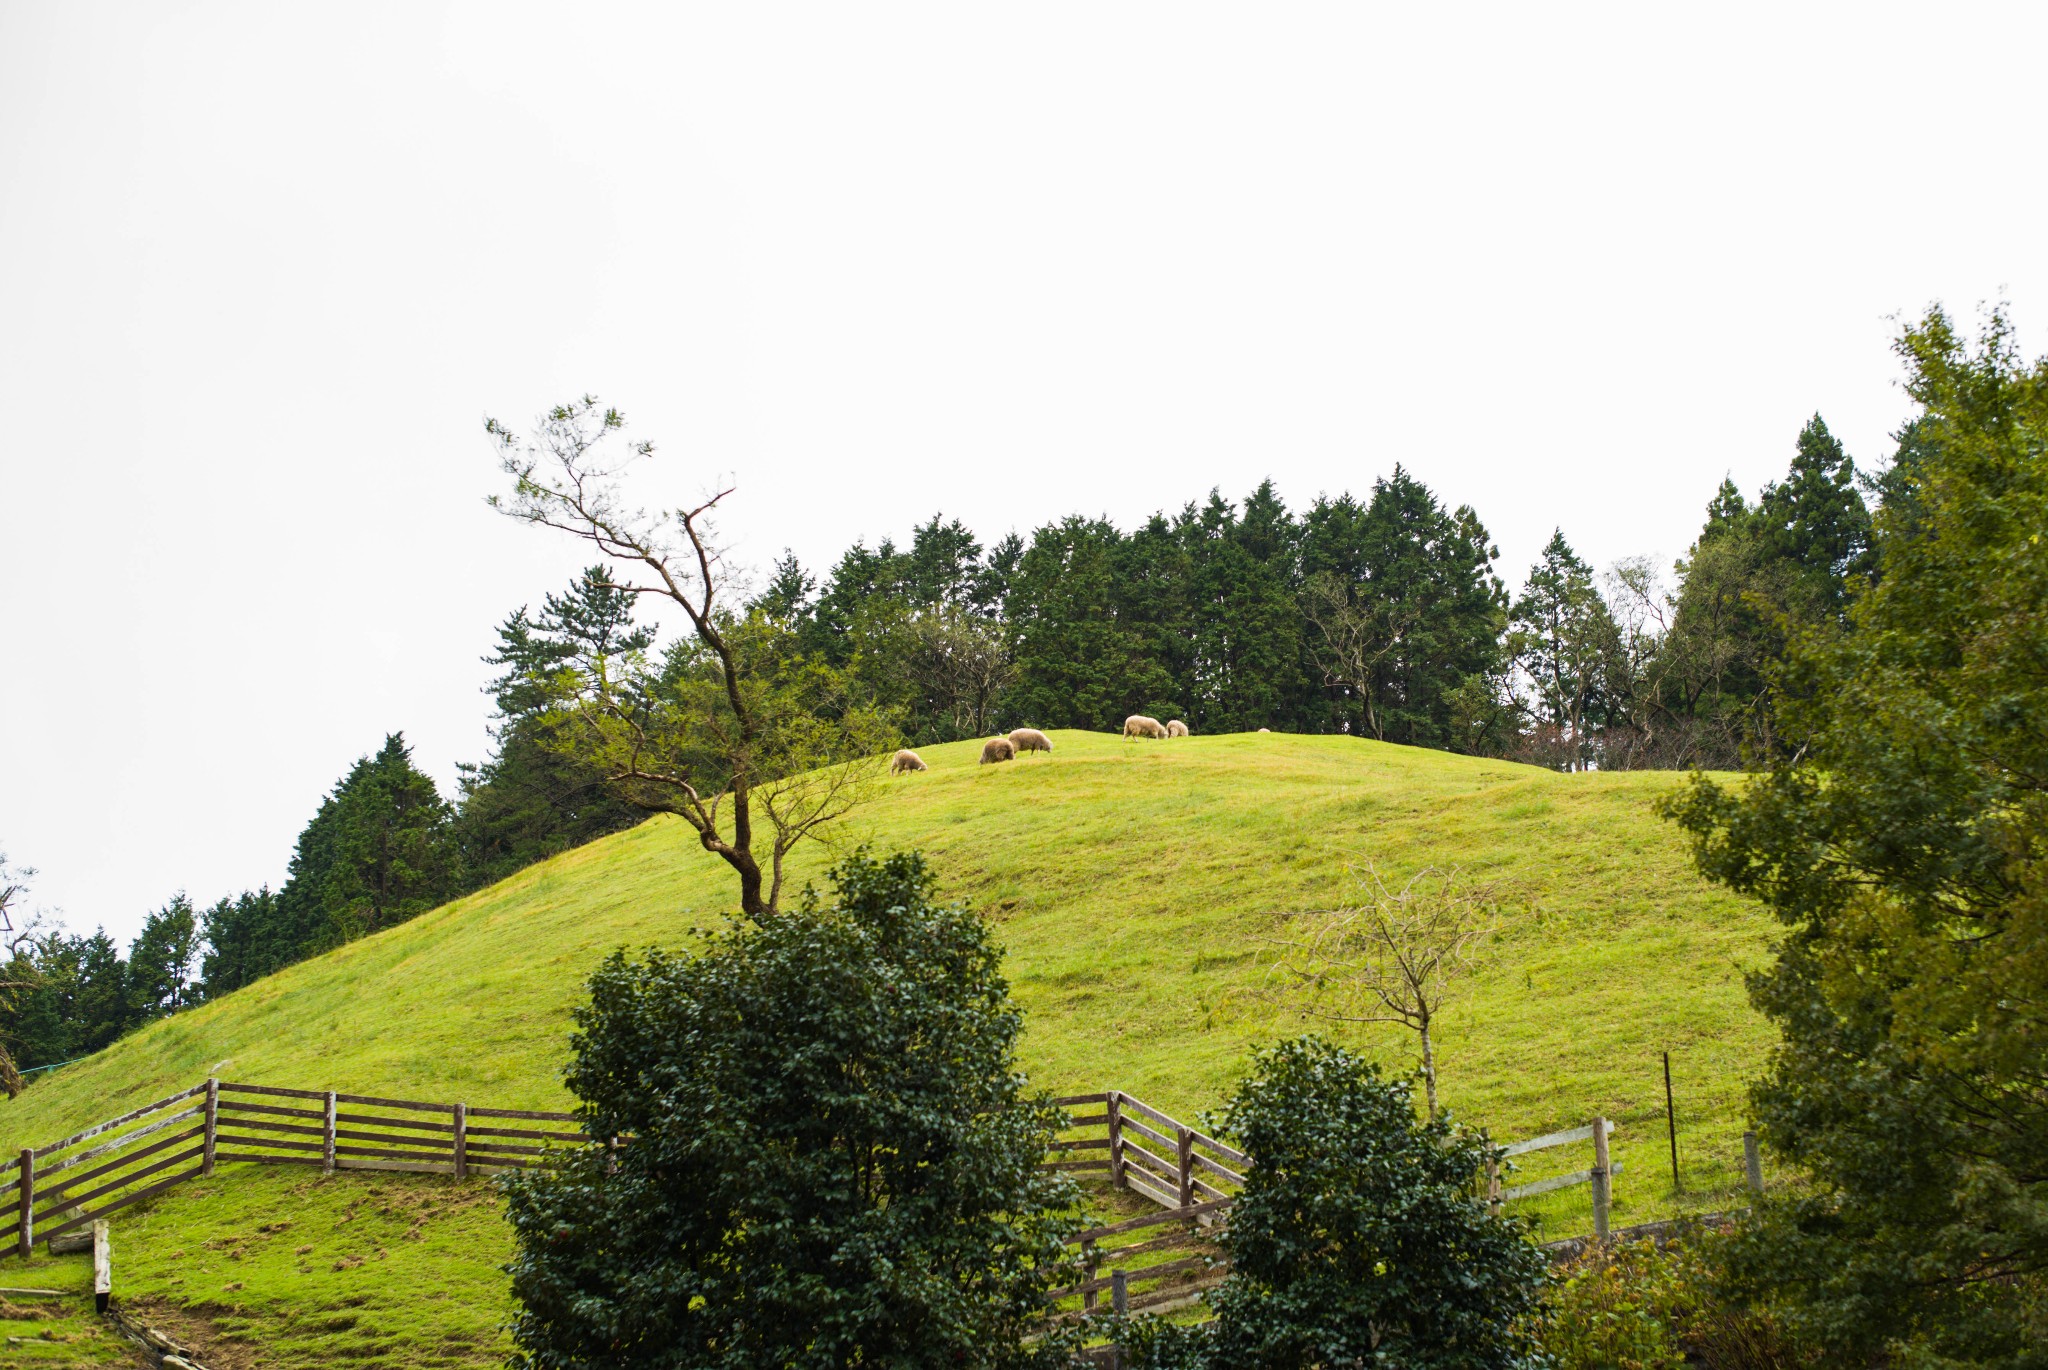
1562,636
1245,627
1411,585
377,853
1758,576
245,940
1082,660
163,962
532,800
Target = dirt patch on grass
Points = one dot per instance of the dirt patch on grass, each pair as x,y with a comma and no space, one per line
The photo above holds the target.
194,1327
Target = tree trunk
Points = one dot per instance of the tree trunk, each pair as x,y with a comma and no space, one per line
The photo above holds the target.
1428,1072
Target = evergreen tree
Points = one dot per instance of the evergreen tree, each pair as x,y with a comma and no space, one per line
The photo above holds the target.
532,799
1758,576
1903,847
790,592
76,998
377,853
163,962
245,940
1562,636
1814,522
1408,586
1083,660
1245,626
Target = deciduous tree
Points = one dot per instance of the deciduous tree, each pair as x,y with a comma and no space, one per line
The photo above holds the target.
737,724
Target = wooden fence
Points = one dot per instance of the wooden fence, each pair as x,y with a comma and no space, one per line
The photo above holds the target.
1196,1178
50,1190
1600,1175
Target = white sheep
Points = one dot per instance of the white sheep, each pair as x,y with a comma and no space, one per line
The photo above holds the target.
906,760
997,749
1176,728
1029,740
1137,725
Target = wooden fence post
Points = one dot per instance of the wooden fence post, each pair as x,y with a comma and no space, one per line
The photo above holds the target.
25,1226
1186,1159
1752,1163
102,1266
1116,1142
327,1138
462,1141
1090,1259
1603,1186
1120,1291
212,1124
1493,1186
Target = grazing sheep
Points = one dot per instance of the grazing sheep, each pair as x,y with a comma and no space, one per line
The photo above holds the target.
1176,728
997,749
1137,725
1265,730
1030,740
906,760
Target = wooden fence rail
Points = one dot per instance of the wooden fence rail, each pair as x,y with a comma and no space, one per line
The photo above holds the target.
1195,1178
54,1189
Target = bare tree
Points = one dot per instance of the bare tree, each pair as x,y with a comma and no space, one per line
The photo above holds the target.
13,889
962,662
733,727
1354,635
1392,958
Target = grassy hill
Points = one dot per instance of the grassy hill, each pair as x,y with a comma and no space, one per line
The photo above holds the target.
1131,884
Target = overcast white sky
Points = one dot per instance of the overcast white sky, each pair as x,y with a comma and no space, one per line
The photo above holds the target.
264,268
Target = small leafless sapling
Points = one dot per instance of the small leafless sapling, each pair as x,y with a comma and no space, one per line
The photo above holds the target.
1393,957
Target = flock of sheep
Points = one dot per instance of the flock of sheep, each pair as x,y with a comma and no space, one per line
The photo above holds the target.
1032,740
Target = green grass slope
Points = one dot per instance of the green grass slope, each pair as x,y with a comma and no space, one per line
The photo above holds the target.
1132,885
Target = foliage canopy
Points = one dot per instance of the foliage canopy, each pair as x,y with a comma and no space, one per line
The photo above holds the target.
833,1160
1905,848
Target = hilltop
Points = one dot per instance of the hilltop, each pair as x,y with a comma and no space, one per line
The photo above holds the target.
1131,885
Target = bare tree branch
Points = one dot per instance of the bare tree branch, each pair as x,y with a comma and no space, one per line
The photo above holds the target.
1394,957
732,727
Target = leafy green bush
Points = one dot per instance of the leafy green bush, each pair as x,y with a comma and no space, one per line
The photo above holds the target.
1635,1306
832,1160
1359,1238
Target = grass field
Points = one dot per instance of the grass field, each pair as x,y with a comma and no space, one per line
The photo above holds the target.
1131,885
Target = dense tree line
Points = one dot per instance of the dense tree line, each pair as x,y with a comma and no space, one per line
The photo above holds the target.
1383,617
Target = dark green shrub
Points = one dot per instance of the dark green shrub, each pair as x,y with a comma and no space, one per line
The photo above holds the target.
1359,1239
1638,1307
832,1162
